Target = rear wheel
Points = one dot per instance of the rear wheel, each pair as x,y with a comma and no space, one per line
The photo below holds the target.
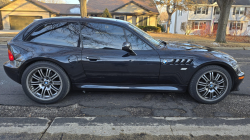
45,82
210,85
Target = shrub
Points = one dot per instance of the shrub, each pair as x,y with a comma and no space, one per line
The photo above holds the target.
106,13
150,28
162,27
141,27
159,30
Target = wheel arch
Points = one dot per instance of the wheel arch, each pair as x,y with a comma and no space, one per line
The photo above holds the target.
32,61
224,65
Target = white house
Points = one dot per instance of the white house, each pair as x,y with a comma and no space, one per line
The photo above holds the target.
204,19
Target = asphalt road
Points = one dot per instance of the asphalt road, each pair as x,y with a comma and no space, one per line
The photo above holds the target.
236,104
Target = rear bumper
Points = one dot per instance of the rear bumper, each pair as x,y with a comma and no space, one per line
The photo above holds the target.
12,71
238,80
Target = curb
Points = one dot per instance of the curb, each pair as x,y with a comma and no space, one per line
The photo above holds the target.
157,126
228,48
113,126
27,128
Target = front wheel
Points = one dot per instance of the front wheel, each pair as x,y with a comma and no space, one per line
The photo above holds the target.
210,85
45,82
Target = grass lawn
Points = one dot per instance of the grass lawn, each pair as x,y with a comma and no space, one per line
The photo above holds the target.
204,41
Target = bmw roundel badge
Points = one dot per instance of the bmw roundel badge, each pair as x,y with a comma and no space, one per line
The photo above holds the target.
164,62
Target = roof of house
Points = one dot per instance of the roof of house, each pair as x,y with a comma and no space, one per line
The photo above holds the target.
241,2
236,2
65,9
93,7
113,5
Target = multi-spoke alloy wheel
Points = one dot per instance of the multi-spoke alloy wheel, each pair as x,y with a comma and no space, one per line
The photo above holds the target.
45,82
210,85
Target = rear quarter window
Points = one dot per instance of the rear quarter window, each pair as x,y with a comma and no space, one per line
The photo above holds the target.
61,34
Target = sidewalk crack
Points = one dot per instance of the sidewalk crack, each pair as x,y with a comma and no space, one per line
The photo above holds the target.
48,125
171,130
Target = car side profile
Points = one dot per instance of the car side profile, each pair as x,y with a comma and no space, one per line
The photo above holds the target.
52,56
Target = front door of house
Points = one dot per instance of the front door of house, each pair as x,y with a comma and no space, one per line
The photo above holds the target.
215,28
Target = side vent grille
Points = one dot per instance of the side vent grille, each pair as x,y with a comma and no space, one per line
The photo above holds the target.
181,61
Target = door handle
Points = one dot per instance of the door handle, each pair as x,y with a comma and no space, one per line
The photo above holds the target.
91,58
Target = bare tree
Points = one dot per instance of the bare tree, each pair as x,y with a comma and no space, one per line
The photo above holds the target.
84,12
225,6
174,5
52,1
186,27
163,14
248,13
3,2
163,17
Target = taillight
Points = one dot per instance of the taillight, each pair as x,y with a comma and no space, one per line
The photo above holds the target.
11,56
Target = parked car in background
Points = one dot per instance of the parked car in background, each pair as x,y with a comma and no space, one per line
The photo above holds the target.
52,56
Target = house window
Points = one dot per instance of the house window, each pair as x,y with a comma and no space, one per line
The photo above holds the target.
239,11
242,11
204,10
180,13
198,10
236,26
199,25
201,10
216,10
143,21
202,25
196,25
120,17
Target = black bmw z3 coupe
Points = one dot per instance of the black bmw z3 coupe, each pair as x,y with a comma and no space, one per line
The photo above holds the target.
52,56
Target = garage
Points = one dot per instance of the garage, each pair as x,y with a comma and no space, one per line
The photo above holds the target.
20,22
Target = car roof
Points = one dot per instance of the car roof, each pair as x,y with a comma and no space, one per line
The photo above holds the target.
78,18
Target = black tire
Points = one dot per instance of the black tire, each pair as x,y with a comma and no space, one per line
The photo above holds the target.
62,87
196,85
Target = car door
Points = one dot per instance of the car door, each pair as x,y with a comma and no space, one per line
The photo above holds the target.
104,61
145,65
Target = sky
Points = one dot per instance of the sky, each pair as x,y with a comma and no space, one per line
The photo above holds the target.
72,1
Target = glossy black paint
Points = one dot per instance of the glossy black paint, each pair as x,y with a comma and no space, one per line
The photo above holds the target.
170,66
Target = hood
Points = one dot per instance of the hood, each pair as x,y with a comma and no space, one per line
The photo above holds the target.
206,51
185,46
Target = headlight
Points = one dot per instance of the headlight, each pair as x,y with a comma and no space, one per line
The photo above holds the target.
229,59
237,68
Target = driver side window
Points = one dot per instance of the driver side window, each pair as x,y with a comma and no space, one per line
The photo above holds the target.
102,36
136,42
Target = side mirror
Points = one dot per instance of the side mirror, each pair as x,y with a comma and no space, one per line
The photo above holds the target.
126,46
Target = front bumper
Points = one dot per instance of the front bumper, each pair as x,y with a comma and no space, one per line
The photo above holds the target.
12,71
238,80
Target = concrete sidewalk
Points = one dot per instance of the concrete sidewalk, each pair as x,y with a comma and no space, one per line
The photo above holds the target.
9,31
125,128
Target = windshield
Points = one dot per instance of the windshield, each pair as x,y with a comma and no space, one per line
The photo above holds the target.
147,36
